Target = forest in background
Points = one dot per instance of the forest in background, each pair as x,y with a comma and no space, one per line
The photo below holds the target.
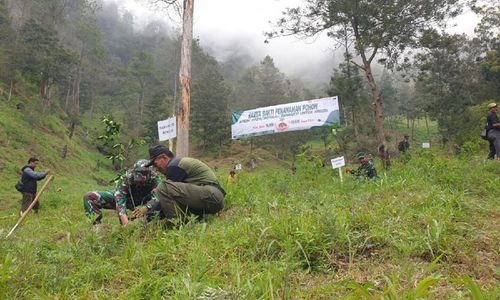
82,60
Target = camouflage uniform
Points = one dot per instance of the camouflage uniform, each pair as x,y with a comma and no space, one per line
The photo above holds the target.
136,187
366,171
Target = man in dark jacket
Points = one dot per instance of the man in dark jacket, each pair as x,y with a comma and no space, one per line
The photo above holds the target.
493,131
29,179
191,187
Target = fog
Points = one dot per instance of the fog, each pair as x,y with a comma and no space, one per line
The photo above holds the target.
228,27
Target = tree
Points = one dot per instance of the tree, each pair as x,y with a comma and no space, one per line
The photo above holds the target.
42,58
141,68
210,118
348,85
450,79
261,85
184,72
377,28
6,40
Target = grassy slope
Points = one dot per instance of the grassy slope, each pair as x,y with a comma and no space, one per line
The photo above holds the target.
281,235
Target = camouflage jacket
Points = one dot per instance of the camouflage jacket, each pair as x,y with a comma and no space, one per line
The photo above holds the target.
366,171
128,194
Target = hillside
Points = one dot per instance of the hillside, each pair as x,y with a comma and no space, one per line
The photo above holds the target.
428,228
27,132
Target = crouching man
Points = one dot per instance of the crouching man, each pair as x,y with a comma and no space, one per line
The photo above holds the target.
191,187
135,188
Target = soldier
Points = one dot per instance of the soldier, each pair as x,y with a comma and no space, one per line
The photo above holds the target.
191,187
384,156
404,145
366,170
136,187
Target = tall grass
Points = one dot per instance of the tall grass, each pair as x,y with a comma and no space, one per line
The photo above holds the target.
428,228
408,235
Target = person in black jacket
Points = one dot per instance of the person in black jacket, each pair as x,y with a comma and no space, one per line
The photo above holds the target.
29,179
493,131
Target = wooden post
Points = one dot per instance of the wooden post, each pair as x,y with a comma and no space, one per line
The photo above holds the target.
340,174
185,79
25,213
10,90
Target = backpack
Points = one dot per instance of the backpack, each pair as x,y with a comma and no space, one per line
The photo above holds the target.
19,186
484,134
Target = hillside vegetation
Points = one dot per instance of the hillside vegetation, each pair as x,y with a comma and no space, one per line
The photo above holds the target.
428,228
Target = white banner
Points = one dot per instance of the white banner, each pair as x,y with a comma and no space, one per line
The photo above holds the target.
285,117
167,129
338,162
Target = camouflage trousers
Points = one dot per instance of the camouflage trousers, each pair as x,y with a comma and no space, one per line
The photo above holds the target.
179,199
26,202
94,201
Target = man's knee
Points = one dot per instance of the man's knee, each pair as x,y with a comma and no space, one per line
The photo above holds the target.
90,203
91,197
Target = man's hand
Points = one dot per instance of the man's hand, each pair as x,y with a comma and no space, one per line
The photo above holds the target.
140,212
349,170
47,171
124,219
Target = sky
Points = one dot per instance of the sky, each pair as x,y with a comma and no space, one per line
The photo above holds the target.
223,26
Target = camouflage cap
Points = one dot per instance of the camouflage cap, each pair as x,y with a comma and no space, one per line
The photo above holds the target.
139,165
360,155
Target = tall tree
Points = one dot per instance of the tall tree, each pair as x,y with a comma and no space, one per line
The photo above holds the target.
184,72
348,85
210,118
185,79
377,27
141,68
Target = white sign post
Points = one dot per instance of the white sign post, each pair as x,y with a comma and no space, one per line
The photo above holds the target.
167,129
338,163
426,145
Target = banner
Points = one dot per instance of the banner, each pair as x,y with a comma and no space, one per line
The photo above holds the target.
167,129
285,117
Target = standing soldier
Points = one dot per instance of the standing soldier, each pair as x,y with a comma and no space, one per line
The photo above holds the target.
366,170
404,145
384,156
136,187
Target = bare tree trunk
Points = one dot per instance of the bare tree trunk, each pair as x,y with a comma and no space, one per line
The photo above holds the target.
378,110
141,104
427,124
76,87
10,90
76,92
412,128
91,108
67,98
185,79
354,124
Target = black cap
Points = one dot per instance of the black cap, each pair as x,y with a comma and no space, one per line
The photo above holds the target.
156,151
32,159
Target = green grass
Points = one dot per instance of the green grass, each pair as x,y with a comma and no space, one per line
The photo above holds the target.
428,228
